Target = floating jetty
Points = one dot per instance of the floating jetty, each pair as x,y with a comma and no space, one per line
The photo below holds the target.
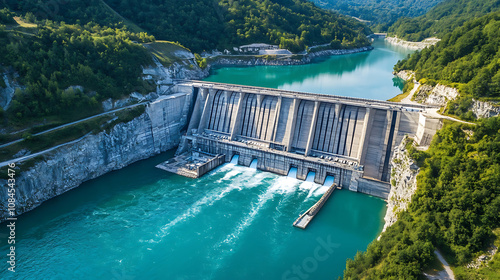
307,217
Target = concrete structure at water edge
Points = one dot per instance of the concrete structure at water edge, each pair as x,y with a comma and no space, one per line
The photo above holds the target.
348,138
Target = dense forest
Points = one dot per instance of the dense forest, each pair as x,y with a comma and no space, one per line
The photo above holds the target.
456,205
455,208
442,19
54,57
91,45
469,57
379,13
207,24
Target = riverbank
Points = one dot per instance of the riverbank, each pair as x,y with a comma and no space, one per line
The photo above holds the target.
278,60
412,45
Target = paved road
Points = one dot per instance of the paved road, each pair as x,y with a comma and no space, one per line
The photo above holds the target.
431,112
17,160
75,122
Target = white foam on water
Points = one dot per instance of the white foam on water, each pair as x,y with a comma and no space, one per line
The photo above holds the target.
320,190
329,180
195,209
238,177
285,185
250,217
282,186
308,187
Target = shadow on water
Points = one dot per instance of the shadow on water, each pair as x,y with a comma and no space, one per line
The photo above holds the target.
398,82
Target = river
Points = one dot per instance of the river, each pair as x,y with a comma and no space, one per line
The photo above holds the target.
234,223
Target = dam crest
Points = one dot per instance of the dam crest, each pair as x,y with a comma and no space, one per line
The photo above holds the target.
350,139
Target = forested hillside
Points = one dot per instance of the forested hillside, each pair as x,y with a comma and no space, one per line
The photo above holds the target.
469,56
442,19
97,44
379,12
456,205
455,209
207,24
52,57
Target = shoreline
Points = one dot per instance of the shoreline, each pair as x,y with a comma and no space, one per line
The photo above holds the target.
285,60
31,201
412,45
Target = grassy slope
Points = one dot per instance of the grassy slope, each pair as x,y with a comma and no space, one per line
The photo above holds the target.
166,51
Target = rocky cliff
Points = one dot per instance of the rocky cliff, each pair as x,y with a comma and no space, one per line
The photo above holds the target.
157,130
435,95
8,87
413,45
429,95
405,74
484,109
403,183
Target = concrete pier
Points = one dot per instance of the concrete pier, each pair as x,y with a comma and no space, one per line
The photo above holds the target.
304,219
192,164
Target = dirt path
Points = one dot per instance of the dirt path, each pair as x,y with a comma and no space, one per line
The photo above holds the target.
446,274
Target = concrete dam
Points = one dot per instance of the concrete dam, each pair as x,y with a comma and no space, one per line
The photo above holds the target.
348,138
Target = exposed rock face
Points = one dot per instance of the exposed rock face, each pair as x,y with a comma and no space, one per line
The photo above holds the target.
403,181
485,109
157,130
440,95
422,93
413,45
162,75
134,97
405,74
7,93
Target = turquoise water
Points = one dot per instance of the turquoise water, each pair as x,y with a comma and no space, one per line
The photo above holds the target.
365,75
234,223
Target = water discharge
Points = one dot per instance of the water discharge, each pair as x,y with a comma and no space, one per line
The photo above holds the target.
253,164
310,176
292,173
329,181
235,159
233,223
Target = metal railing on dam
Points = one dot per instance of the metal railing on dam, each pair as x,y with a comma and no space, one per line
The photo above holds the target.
348,138
302,95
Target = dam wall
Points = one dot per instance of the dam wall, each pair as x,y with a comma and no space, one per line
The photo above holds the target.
351,139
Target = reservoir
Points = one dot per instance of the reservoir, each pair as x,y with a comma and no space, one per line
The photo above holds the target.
364,75
234,223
